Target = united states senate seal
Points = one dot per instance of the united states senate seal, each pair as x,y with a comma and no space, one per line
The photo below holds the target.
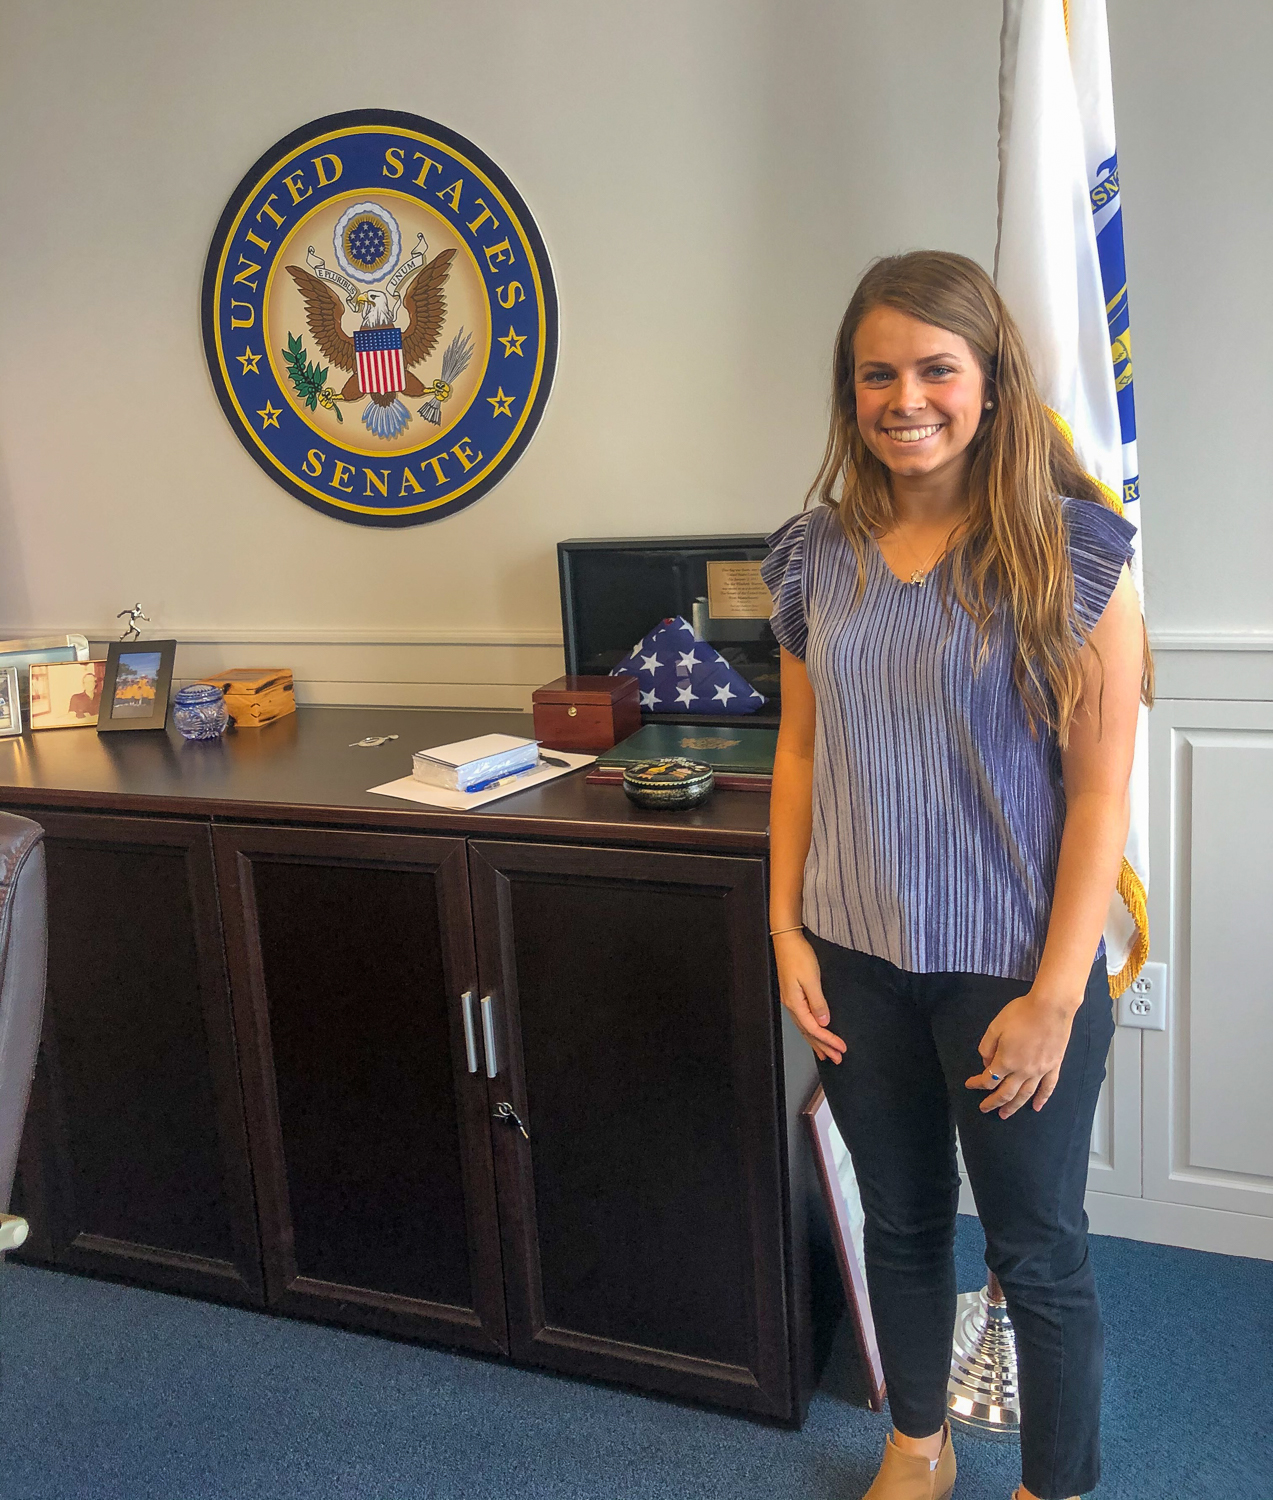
379,318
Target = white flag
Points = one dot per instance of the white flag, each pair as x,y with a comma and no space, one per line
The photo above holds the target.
1060,269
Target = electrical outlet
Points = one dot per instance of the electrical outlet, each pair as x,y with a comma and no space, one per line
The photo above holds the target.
1144,1002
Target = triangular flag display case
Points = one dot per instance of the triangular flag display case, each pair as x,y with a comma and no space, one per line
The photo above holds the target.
617,593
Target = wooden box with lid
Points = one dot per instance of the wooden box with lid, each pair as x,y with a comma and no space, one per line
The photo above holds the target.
256,696
587,714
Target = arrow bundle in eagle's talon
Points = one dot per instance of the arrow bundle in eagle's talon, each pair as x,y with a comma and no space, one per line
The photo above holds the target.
454,363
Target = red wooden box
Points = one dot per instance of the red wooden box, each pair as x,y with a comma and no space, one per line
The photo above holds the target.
588,714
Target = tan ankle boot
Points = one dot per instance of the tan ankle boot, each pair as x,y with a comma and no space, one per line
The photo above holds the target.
904,1476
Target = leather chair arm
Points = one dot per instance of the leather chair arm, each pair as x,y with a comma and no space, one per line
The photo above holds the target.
22,971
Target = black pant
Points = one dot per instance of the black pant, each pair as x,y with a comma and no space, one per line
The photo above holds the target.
897,1096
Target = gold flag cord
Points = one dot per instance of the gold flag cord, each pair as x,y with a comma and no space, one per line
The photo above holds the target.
1135,900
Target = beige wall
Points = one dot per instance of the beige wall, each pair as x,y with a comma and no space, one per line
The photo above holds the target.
1195,139
710,175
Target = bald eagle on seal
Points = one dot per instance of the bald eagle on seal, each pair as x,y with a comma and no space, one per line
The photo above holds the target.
384,414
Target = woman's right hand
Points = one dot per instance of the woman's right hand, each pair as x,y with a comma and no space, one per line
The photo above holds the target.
800,986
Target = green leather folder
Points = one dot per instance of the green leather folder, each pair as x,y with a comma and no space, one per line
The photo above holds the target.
740,752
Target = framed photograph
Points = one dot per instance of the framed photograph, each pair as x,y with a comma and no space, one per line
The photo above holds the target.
844,1209
137,685
25,653
65,694
10,707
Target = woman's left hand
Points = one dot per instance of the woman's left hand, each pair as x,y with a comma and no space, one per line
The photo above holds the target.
1023,1049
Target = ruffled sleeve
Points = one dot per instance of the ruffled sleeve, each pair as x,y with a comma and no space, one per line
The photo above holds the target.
1100,542
783,572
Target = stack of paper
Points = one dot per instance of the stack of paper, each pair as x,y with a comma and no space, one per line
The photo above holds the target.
470,765
559,763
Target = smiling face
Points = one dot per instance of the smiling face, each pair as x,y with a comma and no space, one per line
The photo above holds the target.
919,392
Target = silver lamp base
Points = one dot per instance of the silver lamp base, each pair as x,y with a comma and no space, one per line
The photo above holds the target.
982,1395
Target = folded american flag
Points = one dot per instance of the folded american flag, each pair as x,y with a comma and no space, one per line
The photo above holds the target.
678,673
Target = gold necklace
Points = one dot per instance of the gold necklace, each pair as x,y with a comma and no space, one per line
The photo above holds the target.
921,573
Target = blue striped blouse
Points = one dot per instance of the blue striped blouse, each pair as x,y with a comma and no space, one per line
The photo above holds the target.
937,816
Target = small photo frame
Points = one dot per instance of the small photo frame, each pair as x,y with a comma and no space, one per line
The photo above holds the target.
65,694
137,685
844,1209
10,704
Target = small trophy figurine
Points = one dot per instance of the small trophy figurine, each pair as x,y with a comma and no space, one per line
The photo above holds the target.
132,616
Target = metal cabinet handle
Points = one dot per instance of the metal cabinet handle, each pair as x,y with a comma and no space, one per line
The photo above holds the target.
488,1035
470,1030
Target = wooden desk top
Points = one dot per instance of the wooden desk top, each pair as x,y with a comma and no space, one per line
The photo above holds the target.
301,770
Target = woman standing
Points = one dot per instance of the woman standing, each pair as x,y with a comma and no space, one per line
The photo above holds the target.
962,660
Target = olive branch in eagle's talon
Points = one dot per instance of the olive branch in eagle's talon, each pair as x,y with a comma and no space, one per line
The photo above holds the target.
308,379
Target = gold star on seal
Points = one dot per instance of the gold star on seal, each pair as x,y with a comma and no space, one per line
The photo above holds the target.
269,417
513,342
249,361
503,404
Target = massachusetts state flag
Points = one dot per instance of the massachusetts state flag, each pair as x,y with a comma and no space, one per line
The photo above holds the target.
679,673
379,355
1059,267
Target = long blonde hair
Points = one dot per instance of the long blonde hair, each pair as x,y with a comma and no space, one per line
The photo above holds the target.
1012,550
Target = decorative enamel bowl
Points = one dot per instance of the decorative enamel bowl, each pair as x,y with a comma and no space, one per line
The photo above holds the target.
674,782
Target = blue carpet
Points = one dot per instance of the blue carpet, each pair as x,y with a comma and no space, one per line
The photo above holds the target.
118,1394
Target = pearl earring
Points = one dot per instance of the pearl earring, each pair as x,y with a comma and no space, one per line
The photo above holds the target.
989,404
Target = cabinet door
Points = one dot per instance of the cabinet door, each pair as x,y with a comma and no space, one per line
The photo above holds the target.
349,957
637,1043
135,1158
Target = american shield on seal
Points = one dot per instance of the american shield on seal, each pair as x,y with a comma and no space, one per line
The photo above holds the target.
380,318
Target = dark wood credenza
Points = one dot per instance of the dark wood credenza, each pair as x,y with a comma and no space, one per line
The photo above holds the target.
256,1081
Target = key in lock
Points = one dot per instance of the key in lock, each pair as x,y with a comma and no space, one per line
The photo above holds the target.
504,1111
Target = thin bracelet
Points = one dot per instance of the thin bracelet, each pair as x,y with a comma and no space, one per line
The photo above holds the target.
776,931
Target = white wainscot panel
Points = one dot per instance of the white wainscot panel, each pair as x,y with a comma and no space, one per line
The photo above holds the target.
1208,1106
373,668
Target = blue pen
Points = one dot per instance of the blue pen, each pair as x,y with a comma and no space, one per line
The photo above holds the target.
485,786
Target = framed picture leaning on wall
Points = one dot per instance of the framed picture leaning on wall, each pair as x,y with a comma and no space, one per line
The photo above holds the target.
137,685
10,707
65,694
25,652
844,1209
